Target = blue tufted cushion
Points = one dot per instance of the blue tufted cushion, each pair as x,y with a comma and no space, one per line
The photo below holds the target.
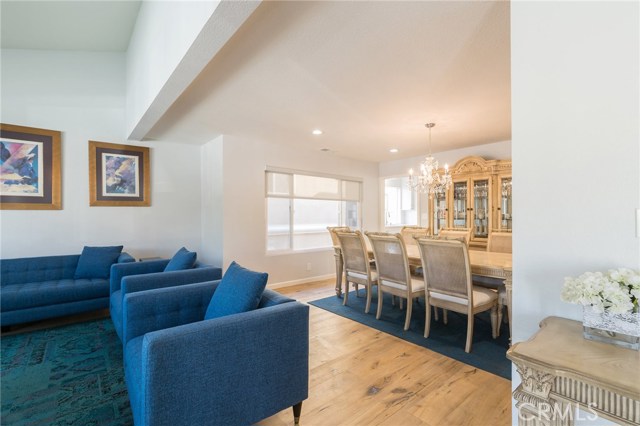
95,262
183,259
239,290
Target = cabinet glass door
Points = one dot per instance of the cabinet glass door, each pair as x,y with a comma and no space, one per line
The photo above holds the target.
460,205
481,208
505,204
439,211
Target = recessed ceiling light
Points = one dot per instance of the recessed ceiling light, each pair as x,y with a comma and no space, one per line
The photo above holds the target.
325,149
317,132
393,150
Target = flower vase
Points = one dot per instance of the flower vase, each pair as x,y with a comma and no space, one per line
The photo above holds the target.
616,329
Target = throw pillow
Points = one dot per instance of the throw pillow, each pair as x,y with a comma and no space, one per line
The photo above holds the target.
183,259
239,291
95,262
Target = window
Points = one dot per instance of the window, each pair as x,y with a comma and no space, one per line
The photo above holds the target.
300,206
400,202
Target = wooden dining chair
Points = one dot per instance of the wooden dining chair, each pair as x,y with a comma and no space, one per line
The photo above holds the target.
448,285
338,255
356,264
455,233
499,242
394,276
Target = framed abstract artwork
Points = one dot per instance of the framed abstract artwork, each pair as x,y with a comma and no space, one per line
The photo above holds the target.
29,168
119,175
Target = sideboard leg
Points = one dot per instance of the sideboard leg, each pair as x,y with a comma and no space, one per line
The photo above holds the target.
535,407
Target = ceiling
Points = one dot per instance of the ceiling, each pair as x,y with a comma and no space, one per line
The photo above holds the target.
370,74
68,25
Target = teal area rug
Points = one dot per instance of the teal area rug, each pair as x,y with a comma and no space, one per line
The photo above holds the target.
486,353
69,375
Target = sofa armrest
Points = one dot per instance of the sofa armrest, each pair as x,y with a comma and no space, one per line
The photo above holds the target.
236,369
121,270
133,283
157,309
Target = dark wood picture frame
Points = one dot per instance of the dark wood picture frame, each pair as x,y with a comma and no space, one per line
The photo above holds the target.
119,175
40,182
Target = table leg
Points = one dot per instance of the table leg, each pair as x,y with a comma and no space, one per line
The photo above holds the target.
508,282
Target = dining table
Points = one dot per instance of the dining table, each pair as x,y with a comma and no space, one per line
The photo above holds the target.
483,263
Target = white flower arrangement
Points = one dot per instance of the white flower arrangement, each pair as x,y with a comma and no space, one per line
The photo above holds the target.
616,291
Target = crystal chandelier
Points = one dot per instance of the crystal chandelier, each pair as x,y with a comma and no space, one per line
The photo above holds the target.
429,181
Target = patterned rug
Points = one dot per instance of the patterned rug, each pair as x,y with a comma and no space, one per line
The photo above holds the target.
487,354
69,375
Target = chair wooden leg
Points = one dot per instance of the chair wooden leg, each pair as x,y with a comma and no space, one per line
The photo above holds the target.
499,318
356,287
401,302
369,290
470,318
297,410
380,299
407,321
427,322
345,296
494,321
445,317
435,313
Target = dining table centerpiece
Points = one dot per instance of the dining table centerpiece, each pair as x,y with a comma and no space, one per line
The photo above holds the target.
610,305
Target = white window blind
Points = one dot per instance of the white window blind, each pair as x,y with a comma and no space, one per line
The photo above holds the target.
300,207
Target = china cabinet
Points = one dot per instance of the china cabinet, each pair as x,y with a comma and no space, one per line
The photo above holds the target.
479,199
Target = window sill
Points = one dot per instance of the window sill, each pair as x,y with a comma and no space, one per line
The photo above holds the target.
290,252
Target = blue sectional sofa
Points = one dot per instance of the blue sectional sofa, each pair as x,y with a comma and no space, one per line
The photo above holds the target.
183,370
37,288
140,276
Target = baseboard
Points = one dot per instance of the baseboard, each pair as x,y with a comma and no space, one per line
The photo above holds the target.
301,281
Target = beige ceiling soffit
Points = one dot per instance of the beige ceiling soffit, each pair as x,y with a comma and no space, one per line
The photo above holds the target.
227,18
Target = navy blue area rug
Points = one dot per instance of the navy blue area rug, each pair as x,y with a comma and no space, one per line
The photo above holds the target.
487,354
69,375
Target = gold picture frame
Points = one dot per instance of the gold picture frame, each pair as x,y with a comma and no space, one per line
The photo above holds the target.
30,168
119,175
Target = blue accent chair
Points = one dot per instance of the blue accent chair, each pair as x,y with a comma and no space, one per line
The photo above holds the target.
238,369
149,275
37,288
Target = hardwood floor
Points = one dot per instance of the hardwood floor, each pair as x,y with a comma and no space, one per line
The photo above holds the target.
361,376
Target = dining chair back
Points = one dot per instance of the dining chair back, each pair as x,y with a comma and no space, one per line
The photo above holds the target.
499,242
356,264
409,233
455,234
333,230
448,285
394,276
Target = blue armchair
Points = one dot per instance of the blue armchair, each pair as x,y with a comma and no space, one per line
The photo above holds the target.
233,370
140,276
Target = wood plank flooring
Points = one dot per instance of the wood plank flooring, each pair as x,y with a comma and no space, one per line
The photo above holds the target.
361,376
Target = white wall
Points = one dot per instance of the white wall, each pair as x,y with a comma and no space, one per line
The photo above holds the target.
163,33
212,202
490,151
244,205
82,95
576,169
575,148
